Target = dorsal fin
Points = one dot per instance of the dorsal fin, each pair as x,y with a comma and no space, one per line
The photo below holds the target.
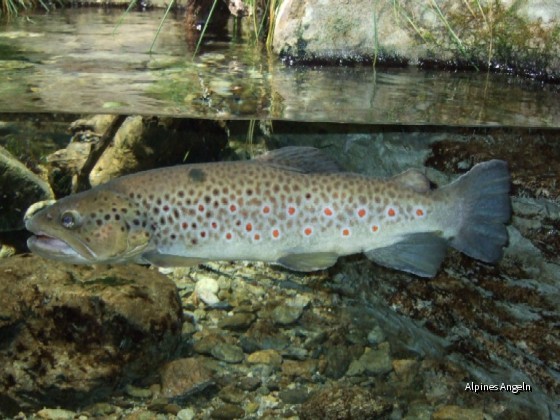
300,159
413,179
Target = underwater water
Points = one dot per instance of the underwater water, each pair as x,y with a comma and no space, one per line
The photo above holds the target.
252,340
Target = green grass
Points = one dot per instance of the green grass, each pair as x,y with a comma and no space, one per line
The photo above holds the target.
482,33
12,8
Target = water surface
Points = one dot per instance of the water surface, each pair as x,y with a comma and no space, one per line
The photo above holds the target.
78,61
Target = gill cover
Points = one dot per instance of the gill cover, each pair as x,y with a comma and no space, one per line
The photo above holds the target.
95,226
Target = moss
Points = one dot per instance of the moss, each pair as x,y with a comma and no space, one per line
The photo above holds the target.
486,35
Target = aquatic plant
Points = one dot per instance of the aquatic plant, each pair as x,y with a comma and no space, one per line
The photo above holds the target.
12,8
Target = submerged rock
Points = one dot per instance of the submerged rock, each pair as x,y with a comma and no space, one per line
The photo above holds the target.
147,142
71,335
140,143
19,188
184,377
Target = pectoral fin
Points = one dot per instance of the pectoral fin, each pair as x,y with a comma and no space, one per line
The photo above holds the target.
167,260
418,253
308,261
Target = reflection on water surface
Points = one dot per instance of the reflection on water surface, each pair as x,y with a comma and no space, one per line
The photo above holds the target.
75,61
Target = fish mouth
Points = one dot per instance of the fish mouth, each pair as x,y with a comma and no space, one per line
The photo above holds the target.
51,247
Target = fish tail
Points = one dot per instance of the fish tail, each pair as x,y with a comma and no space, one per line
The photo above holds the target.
483,209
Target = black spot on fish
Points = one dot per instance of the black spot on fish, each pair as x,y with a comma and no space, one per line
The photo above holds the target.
176,213
107,217
194,241
207,199
117,217
136,222
197,175
99,222
181,193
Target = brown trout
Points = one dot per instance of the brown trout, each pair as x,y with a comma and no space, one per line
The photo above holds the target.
291,206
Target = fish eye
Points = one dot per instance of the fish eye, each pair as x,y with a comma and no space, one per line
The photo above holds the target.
70,219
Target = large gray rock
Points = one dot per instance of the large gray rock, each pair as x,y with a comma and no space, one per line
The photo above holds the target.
19,188
71,335
504,34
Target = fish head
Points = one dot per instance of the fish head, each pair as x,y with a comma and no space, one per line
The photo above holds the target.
93,227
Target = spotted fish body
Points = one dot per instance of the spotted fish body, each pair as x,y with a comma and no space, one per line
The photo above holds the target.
291,207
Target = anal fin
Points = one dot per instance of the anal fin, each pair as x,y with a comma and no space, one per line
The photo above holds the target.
308,261
417,253
168,260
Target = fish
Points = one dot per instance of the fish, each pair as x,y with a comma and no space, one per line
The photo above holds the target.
292,207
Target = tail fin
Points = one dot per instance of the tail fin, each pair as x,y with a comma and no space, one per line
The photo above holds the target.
484,207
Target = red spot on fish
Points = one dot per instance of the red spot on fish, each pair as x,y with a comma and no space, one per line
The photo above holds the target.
233,208
184,225
228,236
419,212
275,233
257,237
374,228
200,208
361,213
391,212
345,232
248,227
266,210
214,225
308,231
166,208
328,212
203,234
291,210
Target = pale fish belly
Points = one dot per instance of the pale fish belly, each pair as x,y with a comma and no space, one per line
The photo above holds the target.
251,211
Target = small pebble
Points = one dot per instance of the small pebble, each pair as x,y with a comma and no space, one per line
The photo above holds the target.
285,315
294,396
237,322
267,357
228,411
55,414
206,289
186,414
228,353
